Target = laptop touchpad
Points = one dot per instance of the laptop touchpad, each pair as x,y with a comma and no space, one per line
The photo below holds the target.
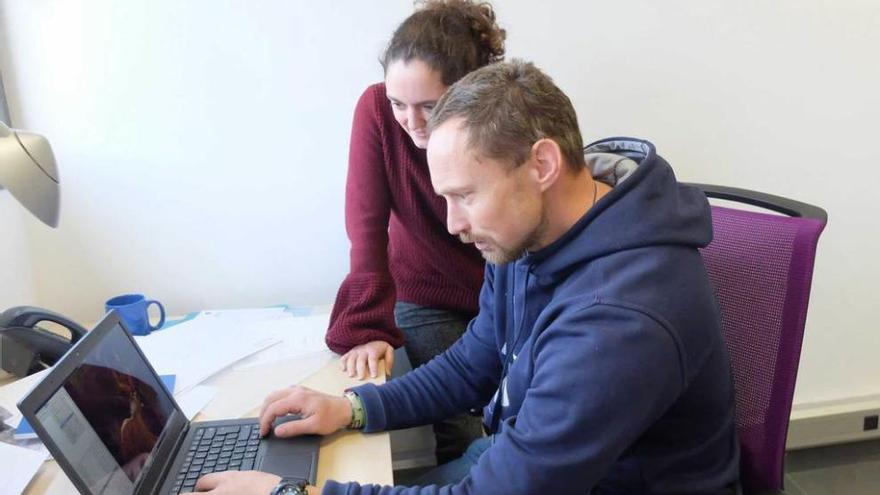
289,464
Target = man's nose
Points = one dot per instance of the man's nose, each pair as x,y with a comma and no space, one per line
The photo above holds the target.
455,220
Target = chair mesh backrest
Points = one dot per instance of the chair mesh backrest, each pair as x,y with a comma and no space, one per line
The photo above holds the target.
761,266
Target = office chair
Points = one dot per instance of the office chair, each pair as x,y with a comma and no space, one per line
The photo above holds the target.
761,266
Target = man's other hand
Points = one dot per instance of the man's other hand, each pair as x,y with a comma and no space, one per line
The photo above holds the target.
237,482
365,357
321,414
241,483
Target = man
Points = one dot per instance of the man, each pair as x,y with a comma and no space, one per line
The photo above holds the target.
597,346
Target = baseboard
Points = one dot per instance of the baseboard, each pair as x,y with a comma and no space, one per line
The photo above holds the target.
831,422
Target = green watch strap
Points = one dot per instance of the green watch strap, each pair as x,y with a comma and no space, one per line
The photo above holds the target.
358,414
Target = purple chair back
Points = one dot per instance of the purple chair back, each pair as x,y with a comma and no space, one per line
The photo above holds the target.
761,266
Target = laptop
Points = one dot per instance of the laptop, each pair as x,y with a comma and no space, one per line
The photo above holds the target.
113,427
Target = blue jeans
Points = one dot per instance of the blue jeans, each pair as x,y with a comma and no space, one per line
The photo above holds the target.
429,332
455,471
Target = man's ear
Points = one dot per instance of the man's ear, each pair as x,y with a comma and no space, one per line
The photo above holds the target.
546,163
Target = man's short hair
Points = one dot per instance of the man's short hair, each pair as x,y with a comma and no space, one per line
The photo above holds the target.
507,107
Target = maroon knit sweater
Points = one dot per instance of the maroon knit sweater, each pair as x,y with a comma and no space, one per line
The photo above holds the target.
400,248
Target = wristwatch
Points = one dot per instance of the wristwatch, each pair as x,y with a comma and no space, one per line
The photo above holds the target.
358,415
290,486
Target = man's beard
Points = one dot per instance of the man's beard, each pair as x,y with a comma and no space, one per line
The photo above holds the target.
499,255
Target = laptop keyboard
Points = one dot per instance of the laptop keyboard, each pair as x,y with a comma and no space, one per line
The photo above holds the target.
220,448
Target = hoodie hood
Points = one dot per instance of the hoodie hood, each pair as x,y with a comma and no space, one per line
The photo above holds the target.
646,197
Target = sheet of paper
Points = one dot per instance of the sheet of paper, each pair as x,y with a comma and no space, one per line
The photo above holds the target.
298,336
195,399
10,395
35,444
19,466
4,415
246,315
199,348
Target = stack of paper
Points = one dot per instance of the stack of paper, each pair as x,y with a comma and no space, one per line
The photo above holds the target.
246,339
19,466
12,393
301,351
247,315
199,348
298,336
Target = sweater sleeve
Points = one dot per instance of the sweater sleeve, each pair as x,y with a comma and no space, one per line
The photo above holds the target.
463,377
364,307
591,396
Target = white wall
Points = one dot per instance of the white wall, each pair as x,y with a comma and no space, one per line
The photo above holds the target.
203,144
16,277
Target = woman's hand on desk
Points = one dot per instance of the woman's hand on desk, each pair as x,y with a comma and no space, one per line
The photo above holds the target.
322,414
366,357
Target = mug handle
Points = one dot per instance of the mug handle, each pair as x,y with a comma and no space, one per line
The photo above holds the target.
161,314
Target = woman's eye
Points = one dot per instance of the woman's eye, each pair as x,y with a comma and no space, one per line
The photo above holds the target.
398,105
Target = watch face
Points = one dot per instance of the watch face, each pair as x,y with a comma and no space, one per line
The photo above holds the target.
292,487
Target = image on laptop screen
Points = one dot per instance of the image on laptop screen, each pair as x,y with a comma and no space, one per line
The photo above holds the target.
108,415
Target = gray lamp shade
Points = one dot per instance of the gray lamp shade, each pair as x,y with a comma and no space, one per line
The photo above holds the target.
28,170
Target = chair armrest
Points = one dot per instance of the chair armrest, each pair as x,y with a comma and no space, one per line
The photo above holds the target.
771,202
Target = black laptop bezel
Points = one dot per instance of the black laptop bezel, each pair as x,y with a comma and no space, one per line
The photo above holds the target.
163,454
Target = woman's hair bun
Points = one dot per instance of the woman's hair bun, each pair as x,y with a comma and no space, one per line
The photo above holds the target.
454,37
481,17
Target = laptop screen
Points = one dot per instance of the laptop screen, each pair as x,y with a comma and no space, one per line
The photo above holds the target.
108,415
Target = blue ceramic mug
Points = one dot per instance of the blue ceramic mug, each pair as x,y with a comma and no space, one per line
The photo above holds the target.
133,308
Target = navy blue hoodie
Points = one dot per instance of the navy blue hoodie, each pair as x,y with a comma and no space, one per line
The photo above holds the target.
604,350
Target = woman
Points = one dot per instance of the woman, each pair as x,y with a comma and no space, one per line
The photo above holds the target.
410,280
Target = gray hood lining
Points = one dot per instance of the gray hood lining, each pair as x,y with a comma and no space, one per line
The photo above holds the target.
610,168
628,147
612,162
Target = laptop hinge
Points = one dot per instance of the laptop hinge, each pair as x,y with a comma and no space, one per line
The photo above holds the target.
163,458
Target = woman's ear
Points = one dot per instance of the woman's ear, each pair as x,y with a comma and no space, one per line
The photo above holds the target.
547,163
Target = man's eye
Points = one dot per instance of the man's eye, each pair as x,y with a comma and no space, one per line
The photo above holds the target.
398,105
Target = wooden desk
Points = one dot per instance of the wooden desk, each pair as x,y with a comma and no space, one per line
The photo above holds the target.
344,456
